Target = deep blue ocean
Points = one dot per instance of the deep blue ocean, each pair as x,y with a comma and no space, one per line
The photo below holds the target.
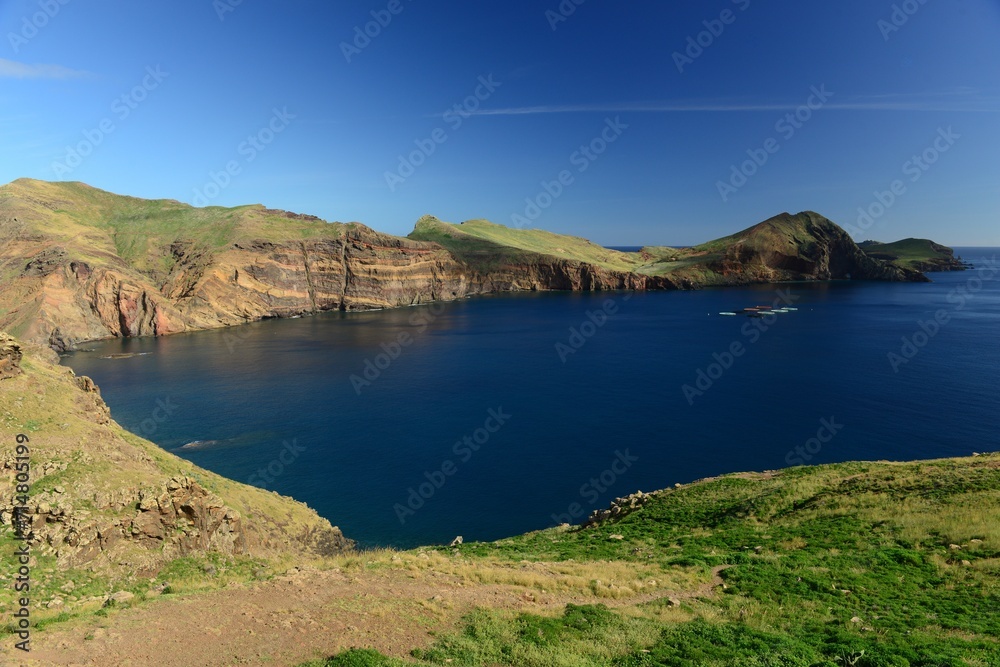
492,417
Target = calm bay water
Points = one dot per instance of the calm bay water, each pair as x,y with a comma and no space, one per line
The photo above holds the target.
585,418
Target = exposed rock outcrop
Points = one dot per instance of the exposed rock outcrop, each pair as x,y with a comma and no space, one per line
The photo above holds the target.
177,518
619,508
558,274
10,357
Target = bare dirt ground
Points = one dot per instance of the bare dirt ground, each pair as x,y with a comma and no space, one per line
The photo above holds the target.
295,618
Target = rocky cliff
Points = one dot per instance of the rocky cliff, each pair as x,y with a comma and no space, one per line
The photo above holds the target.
73,300
10,357
60,296
77,263
118,274
499,259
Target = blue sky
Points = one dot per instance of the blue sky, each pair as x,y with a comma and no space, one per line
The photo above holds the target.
161,96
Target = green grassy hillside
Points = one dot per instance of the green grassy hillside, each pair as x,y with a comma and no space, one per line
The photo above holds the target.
94,223
87,476
865,564
917,254
475,240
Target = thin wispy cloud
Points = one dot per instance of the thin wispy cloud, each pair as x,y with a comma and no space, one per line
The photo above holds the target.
10,69
957,101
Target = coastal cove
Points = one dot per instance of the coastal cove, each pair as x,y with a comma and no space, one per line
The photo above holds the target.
496,415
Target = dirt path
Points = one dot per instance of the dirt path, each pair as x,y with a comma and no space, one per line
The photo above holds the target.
292,619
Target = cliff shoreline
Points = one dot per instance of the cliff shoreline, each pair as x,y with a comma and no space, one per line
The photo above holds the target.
78,264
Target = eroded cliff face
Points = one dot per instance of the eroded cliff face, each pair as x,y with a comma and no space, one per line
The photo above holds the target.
72,300
364,270
62,299
559,274
361,270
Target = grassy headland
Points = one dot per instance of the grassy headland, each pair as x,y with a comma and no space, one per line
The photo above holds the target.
916,254
866,564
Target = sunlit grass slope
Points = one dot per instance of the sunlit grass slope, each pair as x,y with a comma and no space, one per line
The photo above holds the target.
866,564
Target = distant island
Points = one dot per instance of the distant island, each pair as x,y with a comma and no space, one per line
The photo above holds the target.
915,254
82,264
